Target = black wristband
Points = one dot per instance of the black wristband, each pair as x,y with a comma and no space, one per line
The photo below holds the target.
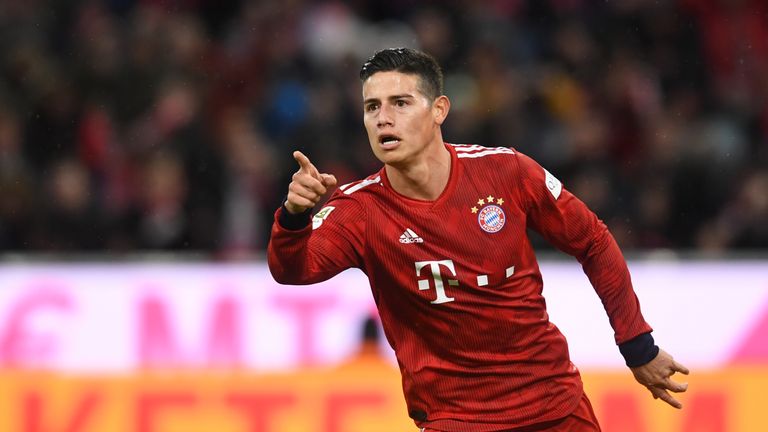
294,222
639,350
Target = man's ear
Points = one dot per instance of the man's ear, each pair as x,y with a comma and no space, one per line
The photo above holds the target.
440,108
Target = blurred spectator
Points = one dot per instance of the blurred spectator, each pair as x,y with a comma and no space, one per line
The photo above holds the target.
16,187
69,218
369,349
250,184
742,225
158,220
151,125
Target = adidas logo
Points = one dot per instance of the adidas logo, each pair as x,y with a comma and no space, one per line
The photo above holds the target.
410,237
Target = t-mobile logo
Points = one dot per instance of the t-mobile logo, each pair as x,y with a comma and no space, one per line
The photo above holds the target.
434,266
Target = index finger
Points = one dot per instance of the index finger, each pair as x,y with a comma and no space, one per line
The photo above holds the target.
303,161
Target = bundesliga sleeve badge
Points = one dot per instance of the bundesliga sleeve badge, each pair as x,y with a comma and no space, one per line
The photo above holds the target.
320,216
490,216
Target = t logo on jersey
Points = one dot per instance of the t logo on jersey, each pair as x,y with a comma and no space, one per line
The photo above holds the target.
434,266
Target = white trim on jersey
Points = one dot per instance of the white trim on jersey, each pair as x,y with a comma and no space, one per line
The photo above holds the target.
468,147
361,185
486,152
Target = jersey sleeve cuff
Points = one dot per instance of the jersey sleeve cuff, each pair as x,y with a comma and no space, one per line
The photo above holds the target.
639,350
294,222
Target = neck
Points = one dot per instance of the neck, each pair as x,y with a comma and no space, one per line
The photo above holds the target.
425,178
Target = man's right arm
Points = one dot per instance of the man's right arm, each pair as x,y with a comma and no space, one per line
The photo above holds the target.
302,253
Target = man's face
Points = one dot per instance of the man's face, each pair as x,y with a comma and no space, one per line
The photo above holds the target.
398,117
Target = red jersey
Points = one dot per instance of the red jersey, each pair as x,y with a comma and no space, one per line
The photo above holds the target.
458,287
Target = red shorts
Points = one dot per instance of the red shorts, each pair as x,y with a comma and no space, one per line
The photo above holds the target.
582,419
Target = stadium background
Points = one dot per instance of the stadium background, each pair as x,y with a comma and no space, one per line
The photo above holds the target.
144,146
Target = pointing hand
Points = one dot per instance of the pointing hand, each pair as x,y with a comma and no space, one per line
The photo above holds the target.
308,185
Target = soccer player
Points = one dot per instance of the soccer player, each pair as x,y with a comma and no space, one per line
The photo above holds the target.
440,231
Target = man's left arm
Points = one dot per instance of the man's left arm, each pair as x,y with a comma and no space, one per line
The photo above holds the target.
567,223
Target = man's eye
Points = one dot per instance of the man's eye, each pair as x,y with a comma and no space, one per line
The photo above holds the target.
371,107
401,103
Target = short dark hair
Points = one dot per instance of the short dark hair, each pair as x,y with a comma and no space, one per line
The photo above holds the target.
409,61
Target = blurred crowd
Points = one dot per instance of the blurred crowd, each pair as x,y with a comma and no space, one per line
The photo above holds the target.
161,125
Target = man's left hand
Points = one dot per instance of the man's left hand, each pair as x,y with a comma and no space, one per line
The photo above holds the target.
655,375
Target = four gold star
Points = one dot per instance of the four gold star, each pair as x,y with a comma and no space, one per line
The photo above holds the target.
488,199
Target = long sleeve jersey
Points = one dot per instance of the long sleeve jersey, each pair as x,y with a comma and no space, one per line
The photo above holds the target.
458,287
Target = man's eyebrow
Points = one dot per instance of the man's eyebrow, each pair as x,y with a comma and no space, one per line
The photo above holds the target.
393,97
402,96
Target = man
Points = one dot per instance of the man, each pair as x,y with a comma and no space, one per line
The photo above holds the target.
440,231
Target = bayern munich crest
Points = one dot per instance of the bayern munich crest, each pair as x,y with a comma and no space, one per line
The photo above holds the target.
490,216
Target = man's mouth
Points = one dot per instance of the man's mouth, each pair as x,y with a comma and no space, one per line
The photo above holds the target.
389,140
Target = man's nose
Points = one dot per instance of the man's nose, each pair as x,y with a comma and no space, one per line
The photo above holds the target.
385,116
